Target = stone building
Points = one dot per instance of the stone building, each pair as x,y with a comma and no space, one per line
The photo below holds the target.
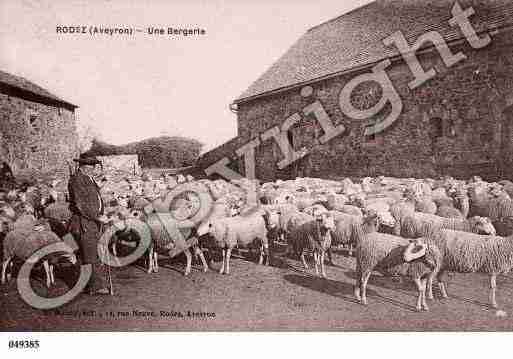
37,129
456,123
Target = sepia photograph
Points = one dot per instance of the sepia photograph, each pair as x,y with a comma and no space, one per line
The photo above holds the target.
255,166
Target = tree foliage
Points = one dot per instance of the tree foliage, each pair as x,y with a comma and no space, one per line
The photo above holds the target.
156,152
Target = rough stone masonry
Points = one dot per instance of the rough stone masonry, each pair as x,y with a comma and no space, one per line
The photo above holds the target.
457,123
37,134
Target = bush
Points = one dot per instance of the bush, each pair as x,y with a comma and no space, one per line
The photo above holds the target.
157,152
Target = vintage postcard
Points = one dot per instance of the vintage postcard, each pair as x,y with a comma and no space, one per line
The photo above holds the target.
247,165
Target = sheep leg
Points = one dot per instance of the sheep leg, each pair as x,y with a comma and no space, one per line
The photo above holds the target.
303,259
228,254
267,254
363,287
46,266
419,297
429,287
221,271
316,261
155,261
323,268
188,266
330,257
115,253
150,260
493,286
356,287
423,287
350,250
261,259
199,253
441,284
5,264
52,274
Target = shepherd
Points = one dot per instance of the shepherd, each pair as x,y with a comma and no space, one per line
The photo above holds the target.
87,207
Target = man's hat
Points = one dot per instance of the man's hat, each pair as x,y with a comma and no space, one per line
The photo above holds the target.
87,160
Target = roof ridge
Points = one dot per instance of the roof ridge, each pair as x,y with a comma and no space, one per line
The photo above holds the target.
21,83
355,38
341,15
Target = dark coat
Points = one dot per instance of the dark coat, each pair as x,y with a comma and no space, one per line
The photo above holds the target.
84,196
86,205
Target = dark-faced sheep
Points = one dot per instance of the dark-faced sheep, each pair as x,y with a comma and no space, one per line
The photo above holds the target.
314,235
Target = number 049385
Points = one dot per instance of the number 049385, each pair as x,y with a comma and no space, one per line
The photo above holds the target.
23,344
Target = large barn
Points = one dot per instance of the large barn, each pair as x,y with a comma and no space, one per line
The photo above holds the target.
37,129
458,122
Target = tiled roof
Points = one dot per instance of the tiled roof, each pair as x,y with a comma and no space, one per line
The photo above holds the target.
25,85
355,38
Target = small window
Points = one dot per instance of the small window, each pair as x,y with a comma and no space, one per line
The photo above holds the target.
437,127
486,135
450,128
33,121
374,139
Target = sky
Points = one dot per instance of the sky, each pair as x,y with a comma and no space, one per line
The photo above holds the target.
132,88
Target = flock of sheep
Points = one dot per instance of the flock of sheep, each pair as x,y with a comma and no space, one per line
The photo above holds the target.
416,228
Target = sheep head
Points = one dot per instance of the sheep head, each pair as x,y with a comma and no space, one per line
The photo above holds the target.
5,224
386,219
8,212
272,218
357,199
483,225
326,220
416,249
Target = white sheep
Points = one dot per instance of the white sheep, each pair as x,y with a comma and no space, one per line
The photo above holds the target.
27,239
286,212
166,238
316,209
239,231
344,226
465,252
419,224
485,204
392,256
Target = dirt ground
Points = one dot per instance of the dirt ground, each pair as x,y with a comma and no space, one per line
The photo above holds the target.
252,298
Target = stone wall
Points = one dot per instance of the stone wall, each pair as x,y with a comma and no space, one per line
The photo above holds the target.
121,164
36,137
454,124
